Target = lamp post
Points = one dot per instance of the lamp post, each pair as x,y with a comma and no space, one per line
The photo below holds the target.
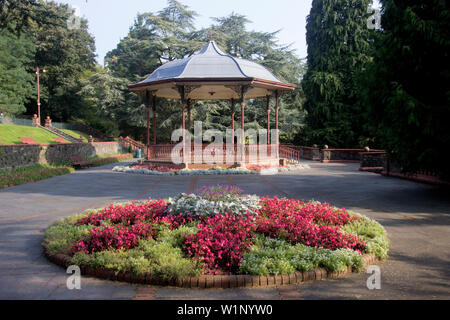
39,94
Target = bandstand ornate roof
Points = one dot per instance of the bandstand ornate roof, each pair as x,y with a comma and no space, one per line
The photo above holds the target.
211,74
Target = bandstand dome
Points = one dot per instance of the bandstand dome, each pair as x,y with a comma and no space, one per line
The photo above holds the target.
211,74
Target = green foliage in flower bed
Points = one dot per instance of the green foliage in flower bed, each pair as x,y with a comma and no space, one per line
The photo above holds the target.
163,258
372,232
276,257
62,234
160,259
170,240
18,176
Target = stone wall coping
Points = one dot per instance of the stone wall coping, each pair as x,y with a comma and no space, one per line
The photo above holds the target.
340,161
212,281
356,150
311,148
374,153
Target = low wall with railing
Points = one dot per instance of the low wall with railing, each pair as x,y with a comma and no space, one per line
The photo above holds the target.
340,155
331,155
373,161
20,155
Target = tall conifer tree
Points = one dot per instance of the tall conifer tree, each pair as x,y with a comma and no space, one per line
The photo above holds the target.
408,85
338,50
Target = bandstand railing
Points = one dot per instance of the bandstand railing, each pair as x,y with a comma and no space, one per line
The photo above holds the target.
253,153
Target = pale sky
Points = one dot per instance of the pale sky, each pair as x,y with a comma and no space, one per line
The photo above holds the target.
110,20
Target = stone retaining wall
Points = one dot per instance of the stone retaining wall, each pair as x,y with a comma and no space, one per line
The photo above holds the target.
373,159
20,155
340,155
333,155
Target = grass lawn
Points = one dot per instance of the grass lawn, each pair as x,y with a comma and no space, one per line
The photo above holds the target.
76,134
10,134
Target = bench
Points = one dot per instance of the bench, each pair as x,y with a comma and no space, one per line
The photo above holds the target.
79,162
28,140
59,140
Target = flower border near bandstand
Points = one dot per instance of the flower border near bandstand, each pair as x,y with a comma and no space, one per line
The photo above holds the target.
217,237
250,170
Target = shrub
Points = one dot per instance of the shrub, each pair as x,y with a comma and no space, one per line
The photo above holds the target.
219,193
169,262
129,213
149,257
295,222
195,205
61,235
373,234
274,257
18,176
176,237
115,237
221,241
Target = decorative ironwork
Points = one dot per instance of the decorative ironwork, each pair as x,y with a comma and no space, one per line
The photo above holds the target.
188,90
148,95
240,90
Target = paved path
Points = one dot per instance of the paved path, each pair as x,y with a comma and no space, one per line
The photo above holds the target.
415,215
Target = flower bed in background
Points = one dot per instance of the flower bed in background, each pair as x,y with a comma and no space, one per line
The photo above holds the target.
166,171
18,176
218,230
184,172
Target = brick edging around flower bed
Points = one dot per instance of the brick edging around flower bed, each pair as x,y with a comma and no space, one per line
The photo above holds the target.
212,281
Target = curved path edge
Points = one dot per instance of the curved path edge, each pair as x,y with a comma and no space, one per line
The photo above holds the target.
212,281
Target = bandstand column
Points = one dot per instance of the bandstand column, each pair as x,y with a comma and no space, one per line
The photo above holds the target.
233,114
243,126
184,129
189,114
147,105
184,103
268,120
277,107
154,120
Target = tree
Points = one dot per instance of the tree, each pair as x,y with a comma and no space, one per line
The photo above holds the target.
409,95
66,53
17,15
107,102
338,51
16,78
153,40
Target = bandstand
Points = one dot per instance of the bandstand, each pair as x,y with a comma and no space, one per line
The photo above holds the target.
211,74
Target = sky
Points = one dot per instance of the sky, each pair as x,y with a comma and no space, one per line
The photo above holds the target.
110,20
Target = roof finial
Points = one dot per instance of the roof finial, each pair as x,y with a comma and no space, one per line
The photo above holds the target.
210,35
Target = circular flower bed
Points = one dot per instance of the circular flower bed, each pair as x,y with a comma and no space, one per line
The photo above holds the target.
218,230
